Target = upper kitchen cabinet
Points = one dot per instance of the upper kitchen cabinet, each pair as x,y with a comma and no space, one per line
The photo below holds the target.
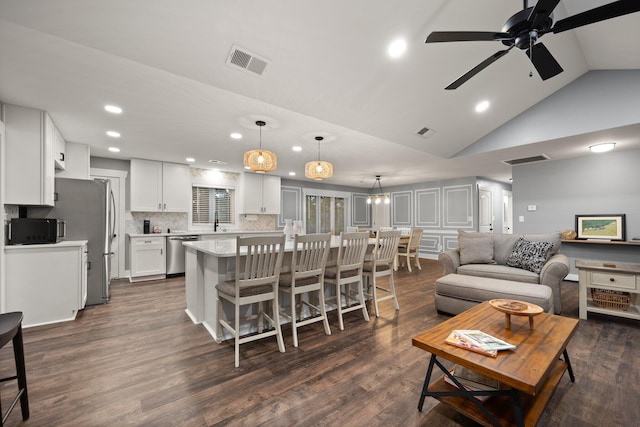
77,161
29,165
261,194
159,186
59,148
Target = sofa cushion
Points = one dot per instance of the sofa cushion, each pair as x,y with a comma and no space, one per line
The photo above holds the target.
477,289
476,250
502,246
546,237
498,271
530,255
502,243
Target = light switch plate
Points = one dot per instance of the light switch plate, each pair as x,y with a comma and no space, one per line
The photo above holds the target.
521,218
531,208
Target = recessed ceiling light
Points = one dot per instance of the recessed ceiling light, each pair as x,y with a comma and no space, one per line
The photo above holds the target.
602,148
190,159
236,135
292,174
114,149
296,148
397,48
482,106
113,109
113,134
217,162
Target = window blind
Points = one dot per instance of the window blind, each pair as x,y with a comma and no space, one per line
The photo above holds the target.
206,202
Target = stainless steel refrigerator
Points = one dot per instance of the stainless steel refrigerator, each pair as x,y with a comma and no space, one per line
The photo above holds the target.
87,208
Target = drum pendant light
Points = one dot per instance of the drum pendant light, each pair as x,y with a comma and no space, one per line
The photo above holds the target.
260,160
318,169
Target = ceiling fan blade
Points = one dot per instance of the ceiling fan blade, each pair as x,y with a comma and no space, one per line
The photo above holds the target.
608,11
465,36
544,61
541,12
475,70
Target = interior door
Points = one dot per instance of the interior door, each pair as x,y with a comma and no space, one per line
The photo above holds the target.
507,212
485,206
381,215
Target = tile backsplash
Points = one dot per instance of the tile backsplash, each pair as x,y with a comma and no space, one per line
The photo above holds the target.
180,222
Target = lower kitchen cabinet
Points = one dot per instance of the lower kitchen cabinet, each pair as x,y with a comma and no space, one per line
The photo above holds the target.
47,283
148,258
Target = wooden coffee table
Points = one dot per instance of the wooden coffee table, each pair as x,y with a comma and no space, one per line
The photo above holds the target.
529,375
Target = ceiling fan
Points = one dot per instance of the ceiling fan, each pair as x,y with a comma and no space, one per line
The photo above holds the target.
524,29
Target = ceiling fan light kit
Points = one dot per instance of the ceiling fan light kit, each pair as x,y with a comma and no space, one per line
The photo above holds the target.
525,28
260,160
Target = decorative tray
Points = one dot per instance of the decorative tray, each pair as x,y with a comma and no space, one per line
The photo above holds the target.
517,308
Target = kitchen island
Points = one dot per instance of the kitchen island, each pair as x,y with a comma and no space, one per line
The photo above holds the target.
210,262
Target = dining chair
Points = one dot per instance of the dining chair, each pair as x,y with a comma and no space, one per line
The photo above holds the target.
380,265
308,261
257,272
411,249
347,272
351,229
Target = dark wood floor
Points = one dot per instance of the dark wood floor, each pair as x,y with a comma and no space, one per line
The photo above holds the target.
140,361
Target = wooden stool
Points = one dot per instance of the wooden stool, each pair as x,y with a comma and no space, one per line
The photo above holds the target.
11,329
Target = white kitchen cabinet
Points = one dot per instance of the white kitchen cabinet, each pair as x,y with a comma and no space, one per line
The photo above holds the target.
47,283
176,187
59,149
148,258
159,186
29,164
261,194
77,162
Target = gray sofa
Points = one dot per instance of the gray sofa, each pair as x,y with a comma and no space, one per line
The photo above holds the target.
487,255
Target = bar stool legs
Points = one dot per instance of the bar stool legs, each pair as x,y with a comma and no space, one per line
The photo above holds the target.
11,329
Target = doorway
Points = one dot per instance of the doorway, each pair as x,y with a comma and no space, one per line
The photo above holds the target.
118,183
381,214
485,207
507,212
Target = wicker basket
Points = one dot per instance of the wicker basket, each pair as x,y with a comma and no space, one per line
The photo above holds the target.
614,300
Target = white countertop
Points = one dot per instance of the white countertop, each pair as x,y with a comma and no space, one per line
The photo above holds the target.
231,233
227,247
62,244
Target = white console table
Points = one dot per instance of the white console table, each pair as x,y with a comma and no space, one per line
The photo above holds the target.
622,277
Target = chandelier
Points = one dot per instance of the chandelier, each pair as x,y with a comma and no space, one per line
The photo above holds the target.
318,169
260,160
377,199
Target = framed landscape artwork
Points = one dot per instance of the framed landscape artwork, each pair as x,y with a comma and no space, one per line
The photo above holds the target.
601,227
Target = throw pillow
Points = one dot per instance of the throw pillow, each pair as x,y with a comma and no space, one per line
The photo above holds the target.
476,250
529,255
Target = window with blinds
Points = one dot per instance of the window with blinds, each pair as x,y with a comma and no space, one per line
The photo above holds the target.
207,202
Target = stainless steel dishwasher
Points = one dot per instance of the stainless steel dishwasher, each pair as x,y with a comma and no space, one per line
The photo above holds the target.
175,253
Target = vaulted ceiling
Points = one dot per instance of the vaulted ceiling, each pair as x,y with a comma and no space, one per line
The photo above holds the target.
327,74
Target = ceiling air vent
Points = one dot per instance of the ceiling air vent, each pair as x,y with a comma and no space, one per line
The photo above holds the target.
425,132
522,160
245,60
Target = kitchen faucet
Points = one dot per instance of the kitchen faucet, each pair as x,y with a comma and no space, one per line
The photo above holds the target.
215,221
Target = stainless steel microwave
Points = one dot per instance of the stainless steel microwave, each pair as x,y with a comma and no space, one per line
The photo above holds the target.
32,231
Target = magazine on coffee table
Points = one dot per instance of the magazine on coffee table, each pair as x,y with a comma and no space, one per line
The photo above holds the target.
484,340
478,341
458,340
